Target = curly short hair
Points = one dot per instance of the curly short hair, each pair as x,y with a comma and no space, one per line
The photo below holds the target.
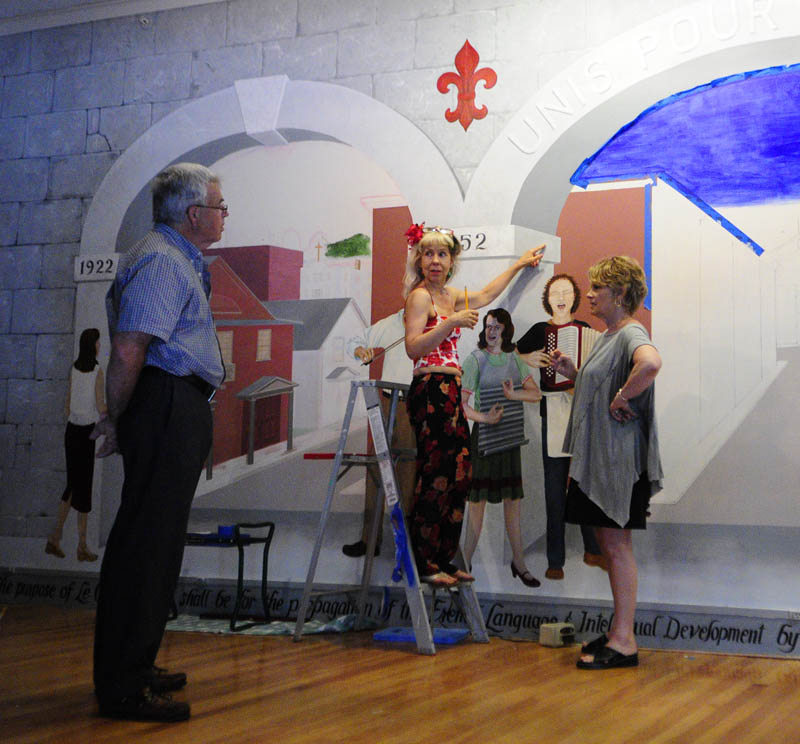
413,276
624,276
546,293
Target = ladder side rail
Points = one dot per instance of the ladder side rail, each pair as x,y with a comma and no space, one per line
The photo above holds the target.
382,454
369,558
376,424
337,462
473,614
413,590
375,526
470,605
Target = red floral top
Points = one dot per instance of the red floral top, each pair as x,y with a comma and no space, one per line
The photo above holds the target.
446,353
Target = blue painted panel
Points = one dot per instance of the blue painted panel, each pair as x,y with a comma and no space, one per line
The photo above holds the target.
732,142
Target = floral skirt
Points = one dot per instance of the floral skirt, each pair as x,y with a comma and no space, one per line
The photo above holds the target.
444,470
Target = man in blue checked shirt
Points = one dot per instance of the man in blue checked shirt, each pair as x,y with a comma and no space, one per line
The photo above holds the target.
165,365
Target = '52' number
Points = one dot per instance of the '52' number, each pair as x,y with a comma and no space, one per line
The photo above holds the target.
466,241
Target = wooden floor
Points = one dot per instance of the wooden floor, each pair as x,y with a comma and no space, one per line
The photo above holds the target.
345,688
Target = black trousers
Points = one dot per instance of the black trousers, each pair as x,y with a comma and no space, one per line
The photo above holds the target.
164,437
556,479
79,452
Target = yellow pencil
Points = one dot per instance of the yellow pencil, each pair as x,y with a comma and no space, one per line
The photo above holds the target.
466,299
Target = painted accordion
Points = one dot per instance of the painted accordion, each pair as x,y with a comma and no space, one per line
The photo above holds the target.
576,342
509,432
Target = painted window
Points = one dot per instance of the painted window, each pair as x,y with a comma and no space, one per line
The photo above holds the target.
226,348
338,348
264,345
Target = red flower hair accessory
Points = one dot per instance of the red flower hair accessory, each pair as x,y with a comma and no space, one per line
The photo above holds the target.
414,233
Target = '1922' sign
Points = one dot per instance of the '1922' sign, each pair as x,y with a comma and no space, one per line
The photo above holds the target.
96,268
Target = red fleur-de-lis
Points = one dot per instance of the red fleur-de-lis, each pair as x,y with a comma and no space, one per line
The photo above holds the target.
466,63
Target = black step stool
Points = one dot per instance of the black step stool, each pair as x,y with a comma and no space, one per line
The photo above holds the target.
238,540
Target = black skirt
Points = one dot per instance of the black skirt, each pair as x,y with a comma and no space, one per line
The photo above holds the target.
582,510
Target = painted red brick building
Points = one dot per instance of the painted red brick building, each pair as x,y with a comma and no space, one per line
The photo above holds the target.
254,344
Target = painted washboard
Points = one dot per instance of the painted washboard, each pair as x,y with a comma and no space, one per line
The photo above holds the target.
509,432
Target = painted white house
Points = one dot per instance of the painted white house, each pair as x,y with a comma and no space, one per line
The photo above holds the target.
322,328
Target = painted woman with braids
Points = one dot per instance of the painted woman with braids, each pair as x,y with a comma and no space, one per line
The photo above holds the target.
435,315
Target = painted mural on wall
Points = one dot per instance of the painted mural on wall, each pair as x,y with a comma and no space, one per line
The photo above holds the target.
297,272
309,299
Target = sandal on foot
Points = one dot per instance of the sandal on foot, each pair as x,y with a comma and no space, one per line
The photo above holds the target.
592,647
52,549
609,658
440,579
462,576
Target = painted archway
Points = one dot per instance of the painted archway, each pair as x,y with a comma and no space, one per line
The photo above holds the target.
273,111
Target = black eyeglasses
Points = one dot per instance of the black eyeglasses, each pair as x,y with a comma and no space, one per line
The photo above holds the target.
222,207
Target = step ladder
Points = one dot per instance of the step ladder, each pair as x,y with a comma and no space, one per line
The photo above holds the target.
462,594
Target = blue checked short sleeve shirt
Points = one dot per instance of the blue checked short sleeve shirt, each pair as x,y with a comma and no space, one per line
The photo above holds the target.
162,289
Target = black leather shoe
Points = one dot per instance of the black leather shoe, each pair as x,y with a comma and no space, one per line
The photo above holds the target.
146,706
357,549
162,681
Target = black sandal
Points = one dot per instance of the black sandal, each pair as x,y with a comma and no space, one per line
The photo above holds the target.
609,658
592,647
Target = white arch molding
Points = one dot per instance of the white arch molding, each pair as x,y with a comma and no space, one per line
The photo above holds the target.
260,107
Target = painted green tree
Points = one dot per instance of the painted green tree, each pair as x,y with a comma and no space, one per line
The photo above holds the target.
355,245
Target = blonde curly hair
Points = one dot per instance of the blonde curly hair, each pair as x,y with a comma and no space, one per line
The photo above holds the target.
432,237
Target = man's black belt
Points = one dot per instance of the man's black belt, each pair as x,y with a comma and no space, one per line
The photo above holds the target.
206,388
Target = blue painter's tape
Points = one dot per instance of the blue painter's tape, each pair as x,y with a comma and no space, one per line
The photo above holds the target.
711,212
402,554
700,204
648,245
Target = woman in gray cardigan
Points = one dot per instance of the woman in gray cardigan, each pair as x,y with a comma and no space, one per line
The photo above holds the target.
613,440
